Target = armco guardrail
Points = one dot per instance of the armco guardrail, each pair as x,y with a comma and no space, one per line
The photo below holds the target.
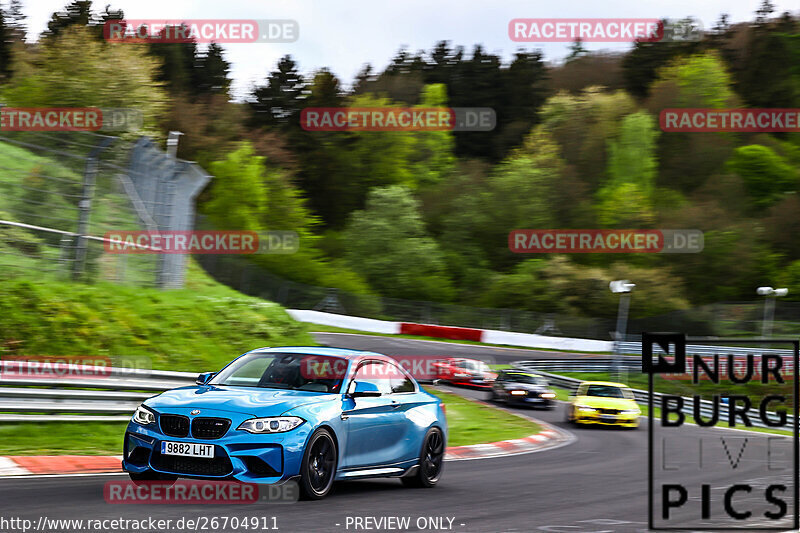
122,390
641,396
635,348
595,364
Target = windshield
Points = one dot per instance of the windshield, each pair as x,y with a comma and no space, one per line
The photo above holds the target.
478,366
283,371
524,378
609,391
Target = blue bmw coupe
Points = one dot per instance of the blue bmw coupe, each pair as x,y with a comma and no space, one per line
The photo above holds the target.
310,414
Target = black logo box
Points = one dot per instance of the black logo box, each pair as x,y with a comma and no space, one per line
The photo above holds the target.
674,346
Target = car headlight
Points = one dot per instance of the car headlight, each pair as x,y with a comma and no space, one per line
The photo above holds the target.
143,416
548,395
631,412
271,424
585,408
518,393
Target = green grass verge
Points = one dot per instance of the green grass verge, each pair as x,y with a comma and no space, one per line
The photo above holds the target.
469,422
62,438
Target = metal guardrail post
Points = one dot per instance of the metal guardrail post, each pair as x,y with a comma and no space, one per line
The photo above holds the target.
85,205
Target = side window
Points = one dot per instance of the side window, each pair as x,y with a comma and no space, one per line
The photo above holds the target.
628,394
376,372
400,381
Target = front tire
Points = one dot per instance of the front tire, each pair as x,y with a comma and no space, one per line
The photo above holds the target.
318,468
431,461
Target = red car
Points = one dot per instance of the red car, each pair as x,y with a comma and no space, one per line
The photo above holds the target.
469,372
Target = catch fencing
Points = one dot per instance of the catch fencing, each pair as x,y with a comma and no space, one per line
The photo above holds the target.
730,319
60,193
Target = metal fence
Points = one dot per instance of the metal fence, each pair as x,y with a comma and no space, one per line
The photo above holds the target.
60,193
722,320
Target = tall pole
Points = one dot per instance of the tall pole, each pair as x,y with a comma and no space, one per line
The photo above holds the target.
623,288
770,295
172,143
622,326
769,314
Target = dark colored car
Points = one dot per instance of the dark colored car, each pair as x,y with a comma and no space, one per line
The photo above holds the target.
524,388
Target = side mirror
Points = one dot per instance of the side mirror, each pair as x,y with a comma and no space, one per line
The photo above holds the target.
364,389
204,378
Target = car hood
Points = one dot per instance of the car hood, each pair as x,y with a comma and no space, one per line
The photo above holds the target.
246,400
606,403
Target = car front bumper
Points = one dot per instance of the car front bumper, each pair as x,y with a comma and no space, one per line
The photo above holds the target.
478,383
533,401
623,420
239,455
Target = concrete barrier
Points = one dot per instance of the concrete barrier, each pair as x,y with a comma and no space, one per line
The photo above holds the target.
489,336
441,332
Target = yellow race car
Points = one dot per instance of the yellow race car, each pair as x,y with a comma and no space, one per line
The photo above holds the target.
605,403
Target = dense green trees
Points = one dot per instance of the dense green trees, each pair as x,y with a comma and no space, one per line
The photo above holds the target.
627,198
388,245
766,175
72,69
426,215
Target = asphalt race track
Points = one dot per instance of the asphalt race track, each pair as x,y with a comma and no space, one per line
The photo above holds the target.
597,484
403,346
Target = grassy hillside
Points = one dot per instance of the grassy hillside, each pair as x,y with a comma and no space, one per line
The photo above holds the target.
197,328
